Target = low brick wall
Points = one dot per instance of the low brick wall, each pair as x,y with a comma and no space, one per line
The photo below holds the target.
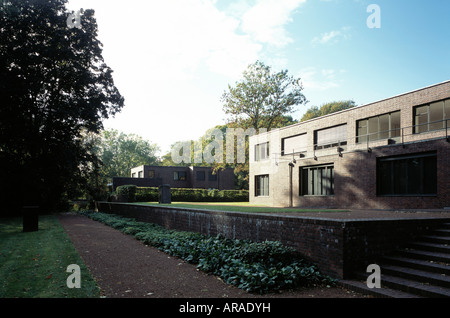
337,247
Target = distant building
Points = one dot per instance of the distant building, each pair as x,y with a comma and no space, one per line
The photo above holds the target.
179,177
391,154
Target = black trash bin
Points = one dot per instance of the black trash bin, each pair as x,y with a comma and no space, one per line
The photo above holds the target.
30,218
165,196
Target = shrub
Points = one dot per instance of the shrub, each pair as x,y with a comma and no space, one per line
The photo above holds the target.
126,193
192,195
255,267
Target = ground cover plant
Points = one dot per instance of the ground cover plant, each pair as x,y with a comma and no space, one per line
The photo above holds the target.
255,267
34,264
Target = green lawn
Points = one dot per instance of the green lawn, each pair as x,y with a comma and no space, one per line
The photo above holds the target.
33,265
237,207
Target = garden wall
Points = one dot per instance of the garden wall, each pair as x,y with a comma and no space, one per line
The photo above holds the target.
337,247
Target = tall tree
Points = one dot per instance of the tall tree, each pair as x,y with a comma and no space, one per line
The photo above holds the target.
327,108
263,97
119,152
54,83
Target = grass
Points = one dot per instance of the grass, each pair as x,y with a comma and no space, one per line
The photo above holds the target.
33,265
239,207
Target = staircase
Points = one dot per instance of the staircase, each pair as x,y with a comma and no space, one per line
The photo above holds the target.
420,270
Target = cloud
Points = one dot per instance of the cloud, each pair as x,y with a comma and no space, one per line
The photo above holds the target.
320,80
266,21
332,36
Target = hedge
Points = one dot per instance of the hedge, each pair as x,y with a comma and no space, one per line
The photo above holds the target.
192,195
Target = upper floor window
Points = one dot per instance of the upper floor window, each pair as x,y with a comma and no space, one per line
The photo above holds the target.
200,175
262,151
140,174
294,144
432,116
179,175
330,137
379,127
151,174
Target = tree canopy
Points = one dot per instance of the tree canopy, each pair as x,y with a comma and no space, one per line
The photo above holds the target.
326,109
54,84
263,98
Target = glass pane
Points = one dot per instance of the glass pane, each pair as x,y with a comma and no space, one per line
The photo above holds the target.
400,176
304,182
362,131
331,135
430,175
384,178
295,144
436,115
384,126
414,176
421,119
373,128
395,125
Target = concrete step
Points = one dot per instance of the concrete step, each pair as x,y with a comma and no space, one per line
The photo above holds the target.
409,286
361,287
429,266
442,232
425,255
436,239
417,275
432,247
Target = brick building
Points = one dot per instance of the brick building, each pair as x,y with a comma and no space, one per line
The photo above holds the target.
391,154
178,177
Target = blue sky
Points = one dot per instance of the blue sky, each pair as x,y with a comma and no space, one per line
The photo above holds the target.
173,59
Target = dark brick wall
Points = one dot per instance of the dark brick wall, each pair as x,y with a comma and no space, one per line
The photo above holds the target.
165,175
338,247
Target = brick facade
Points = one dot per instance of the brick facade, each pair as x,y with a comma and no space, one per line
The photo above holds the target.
179,177
356,170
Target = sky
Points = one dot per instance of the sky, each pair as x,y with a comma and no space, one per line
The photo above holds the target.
173,59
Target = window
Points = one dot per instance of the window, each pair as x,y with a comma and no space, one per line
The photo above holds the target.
262,151
294,145
200,175
140,174
432,116
331,137
407,175
151,174
212,177
133,175
379,127
179,176
317,180
262,186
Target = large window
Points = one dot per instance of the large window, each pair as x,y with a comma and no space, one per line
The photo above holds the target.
331,137
317,180
262,151
432,116
294,145
407,175
179,176
200,175
379,127
262,186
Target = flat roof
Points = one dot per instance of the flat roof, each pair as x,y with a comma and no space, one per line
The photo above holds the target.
356,107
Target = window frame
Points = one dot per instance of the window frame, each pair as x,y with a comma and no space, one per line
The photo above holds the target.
429,125
262,189
259,151
377,134
309,183
178,176
395,175
332,143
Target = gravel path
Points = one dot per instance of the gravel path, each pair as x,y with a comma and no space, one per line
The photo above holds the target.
126,268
